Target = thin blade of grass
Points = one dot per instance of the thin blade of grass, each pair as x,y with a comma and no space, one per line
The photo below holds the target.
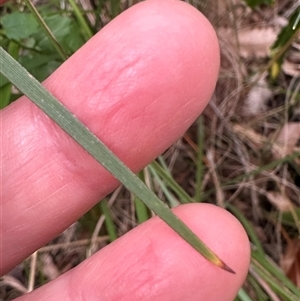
87,32
110,226
173,202
115,7
263,264
47,30
271,285
141,210
5,91
243,296
257,291
169,180
81,134
248,227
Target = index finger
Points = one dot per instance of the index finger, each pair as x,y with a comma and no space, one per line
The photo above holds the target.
138,85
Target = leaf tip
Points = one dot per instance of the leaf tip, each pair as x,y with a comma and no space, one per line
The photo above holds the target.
221,264
225,267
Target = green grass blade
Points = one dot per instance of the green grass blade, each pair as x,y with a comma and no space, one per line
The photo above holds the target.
263,265
173,202
141,210
284,39
169,180
257,290
5,90
248,227
297,21
81,134
274,285
87,32
5,93
47,30
243,296
110,226
115,6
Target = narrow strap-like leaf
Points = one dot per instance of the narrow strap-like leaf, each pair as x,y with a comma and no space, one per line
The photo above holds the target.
81,134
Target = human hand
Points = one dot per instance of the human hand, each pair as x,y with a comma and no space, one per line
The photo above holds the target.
138,85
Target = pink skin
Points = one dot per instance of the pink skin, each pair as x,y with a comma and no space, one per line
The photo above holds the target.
138,85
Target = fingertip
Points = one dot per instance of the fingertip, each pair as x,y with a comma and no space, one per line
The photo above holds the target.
224,235
222,232
152,69
152,262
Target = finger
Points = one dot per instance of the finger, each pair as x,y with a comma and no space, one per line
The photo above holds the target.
138,85
152,263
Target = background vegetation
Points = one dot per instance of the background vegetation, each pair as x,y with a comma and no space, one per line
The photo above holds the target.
242,154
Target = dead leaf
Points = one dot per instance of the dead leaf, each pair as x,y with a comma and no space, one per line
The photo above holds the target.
287,140
251,42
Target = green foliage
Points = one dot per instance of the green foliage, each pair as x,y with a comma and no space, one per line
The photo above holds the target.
41,64
288,31
66,31
89,220
254,3
5,85
85,28
18,26
24,29
24,38
115,7
291,218
110,226
297,21
283,41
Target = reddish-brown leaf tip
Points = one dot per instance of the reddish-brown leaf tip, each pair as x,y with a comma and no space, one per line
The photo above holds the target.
225,267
